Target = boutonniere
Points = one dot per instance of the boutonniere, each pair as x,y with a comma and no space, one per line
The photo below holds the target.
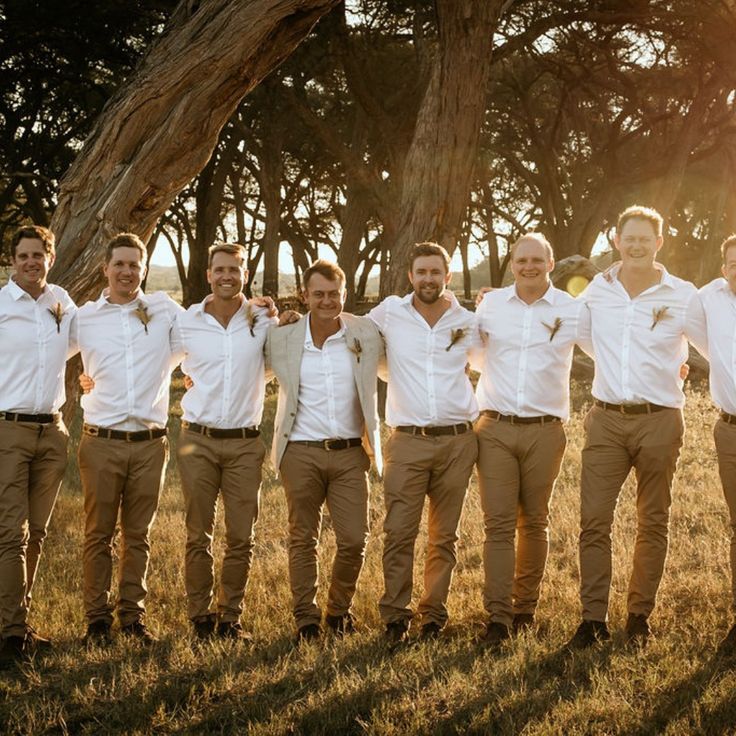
57,313
658,315
252,319
554,328
356,349
456,336
141,311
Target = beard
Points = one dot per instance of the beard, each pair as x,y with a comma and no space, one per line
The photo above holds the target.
429,295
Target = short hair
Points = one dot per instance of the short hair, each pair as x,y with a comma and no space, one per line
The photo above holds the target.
428,249
728,243
234,249
637,212
537,238
34,232
331,271
126,240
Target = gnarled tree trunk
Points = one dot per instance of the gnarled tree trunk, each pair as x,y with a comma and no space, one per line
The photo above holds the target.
160,129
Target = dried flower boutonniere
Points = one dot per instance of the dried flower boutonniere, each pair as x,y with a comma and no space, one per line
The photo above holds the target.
356,349
141,311
57,313
252,318
554,328
456,336
658,315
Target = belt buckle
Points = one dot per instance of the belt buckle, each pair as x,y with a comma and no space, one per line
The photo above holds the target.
423,431
327,444
127,436
512,420
92,431
207,432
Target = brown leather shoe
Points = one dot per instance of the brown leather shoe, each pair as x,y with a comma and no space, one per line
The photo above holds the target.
495,634
341,625
589,634
397,632
233,631
138,630
522,622
307,633
99,633
637,630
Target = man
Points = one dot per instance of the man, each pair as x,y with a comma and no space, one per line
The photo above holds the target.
432,449
326,366
220,451
35,318
529,330
718,300
124,339
638,324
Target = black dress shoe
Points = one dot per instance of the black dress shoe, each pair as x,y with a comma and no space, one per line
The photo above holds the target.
341,625
397,632
522,622
495,634
138,630
204,628
99,633
637,630
430,631
233,631
13,651
307,633
727,646
589,633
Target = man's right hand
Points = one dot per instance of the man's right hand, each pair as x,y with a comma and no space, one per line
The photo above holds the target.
481,293
288,317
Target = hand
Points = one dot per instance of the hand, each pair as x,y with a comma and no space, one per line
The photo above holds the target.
684,371
86,383
188,383
289,317
481,293
267,303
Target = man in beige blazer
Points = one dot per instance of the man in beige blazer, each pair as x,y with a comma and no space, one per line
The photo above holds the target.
326,423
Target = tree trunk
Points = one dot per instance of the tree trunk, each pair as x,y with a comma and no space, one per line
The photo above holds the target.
161,127
439,166
354,215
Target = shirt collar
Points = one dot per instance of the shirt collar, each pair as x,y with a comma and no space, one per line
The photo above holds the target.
667,279
17,293
407,301
198,308
308,342
548,296
102,301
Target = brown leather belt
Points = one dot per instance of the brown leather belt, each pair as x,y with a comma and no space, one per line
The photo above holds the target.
545,419
36,418
728,418
645,408
118,434
437,431
221,434
329,444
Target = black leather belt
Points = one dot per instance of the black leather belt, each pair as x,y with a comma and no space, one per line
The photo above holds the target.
645,408
545,419
437,431
36,418
118,434
329,444
728,418
221,434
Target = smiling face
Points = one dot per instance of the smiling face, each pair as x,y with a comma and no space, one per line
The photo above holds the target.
324,297
226,275
531,264
124,272
638,243
31,262
429,277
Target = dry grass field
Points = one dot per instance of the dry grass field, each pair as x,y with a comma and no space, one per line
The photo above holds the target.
676,686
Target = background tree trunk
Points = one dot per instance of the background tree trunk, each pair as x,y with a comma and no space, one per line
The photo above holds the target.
157,133
439,166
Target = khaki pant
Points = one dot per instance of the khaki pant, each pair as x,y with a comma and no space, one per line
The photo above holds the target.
725,437
419,467
32,464
517,468
126,478
614,443
209,467
313,477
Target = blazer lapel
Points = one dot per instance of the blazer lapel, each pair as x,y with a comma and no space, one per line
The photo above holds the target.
295,349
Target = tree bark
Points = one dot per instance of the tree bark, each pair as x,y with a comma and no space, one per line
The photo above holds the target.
439,166
160,129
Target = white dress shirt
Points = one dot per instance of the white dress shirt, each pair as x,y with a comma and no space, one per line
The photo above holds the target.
130,362
427,382
525,368
225,363
640,343
719,306
329,407
34,348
